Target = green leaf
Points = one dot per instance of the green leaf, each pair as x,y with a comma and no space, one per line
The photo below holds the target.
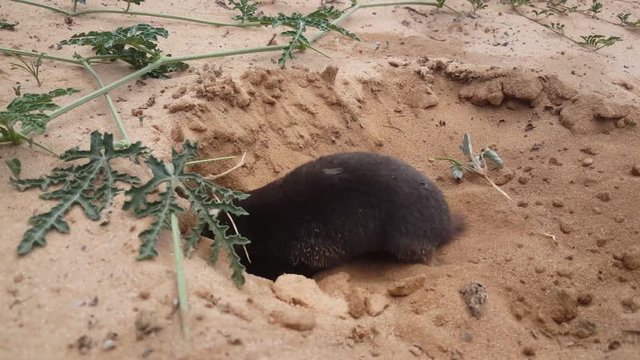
457,171
247,10
28,110
91,185
135,45
7,26
466,147
15,166
493,156
319,19
205,199
599,41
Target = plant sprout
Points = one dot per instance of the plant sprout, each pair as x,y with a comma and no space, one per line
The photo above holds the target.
476,163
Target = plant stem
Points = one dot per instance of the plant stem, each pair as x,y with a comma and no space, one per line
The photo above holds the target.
110,103
358,6
163,60
31,142
495,186
183,301
44,56
139,13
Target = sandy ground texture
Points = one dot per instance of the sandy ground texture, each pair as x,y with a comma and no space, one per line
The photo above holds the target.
556,269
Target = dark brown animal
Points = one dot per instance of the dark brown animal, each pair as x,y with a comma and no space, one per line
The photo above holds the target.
342,207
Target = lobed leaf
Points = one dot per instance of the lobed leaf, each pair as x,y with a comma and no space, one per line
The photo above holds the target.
28,110
319,19
135,45
201,195
7,26
91,185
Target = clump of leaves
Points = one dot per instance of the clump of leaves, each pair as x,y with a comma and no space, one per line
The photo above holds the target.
247,10
597,42
560,7
476,163
319,19
7,26
624,19
555,27
595,9
205,198
32,67
477,5
520,2
544,13
28,110
135,45
91,185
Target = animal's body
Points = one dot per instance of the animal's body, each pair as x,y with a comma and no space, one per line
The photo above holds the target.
341,207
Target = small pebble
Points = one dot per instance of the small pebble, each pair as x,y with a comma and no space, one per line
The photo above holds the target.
604,196
416,351
635,170
565,227
554,161
587,161
631,260
585,299
109,345
557,203
523,204
523,180
528,351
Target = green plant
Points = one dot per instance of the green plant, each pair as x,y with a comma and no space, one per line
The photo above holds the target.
205,199
597,42
542,13
31,67
319,19
7,26
91,185
595,9
557,28
477,5
135,45
15,167
129,2
28,110
247,10
624,20
476,163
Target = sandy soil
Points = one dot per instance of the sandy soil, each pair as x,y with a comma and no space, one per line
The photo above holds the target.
560,262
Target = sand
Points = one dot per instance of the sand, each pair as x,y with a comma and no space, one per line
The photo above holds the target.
556,268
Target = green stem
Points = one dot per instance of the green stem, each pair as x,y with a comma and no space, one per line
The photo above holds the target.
30,141
128,6
110,103
183,300
44,56
357,7
163,60
139,13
